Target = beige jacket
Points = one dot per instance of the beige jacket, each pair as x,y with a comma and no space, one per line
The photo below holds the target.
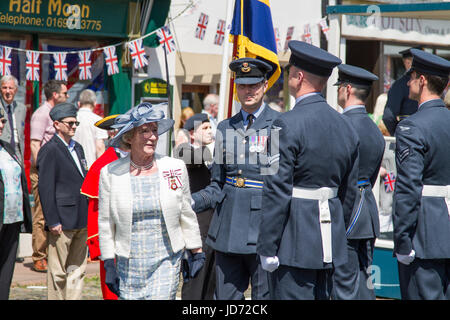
116,203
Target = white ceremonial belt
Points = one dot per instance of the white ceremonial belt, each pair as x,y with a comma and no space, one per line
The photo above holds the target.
437,191
322,195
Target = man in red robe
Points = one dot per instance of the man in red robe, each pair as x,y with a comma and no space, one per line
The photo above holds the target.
90,189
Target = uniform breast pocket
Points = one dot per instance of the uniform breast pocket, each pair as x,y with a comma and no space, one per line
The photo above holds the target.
255,219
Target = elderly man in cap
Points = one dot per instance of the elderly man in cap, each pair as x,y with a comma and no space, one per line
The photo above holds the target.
422,193
236,186
197,157
399,105
350,279
308,202
62,167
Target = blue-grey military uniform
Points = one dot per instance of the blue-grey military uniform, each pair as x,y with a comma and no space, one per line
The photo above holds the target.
350,279
398,105
422,193
236,190
317,174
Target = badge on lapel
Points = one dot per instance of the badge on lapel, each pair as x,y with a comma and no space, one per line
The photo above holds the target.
173,178
84,164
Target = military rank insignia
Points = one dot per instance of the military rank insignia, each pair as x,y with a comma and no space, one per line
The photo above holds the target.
173,178
257,143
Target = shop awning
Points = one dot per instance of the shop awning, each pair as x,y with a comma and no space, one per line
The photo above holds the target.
433,10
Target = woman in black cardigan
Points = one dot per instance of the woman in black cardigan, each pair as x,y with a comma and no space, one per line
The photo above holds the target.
15,211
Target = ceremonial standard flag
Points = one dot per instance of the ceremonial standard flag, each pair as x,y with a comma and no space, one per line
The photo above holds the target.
220,33
201,26
138,53
5,61
85,65
252,25
111,60
166,38
32,66
60,66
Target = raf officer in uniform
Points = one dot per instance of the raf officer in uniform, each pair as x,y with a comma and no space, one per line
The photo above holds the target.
350,279
399,105
308,202
422,192
236,186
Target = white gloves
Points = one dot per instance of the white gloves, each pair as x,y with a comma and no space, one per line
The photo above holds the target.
269,263
406,258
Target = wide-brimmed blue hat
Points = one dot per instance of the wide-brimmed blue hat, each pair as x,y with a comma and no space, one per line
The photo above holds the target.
139,115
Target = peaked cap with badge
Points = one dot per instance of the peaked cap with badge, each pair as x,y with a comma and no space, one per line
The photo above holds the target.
429,63
249,70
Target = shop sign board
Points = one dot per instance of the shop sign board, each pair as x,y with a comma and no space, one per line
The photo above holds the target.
77,17
396,29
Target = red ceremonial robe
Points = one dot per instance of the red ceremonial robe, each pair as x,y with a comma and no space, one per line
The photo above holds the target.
90,189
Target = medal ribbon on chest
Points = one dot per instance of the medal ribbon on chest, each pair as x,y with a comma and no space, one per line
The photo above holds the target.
173,178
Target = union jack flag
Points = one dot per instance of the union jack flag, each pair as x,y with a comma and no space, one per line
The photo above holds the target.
5,61
138,53
220,33
389,182
32,66
276,32
307,33
289,34
60,66
85,65
201,26
111,60
166,38
324,26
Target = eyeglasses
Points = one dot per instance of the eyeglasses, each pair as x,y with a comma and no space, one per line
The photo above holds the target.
4,121
71,123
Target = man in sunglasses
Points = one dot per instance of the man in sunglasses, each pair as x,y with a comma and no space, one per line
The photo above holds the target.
42,131
62,167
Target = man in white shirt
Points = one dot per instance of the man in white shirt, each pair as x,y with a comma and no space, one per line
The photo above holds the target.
88,135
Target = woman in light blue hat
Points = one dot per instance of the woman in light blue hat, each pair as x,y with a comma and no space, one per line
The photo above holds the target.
145,217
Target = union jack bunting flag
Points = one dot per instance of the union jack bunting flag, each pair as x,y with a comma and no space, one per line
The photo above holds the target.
220,33
324,26
5,61
389,182
290,33
60,66
166,38
201,26
277,38
137,53
307,33
111,60
32,66
85,65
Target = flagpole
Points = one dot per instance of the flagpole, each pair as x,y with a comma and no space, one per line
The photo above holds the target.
169,102
231,93
225,57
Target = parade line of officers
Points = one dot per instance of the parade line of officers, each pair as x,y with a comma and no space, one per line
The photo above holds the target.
284,204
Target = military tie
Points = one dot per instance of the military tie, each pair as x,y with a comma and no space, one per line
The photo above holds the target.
11,125
250,118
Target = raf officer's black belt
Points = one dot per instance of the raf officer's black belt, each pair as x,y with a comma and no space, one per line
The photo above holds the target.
241,182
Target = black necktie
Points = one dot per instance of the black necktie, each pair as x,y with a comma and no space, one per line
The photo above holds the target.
11,125
250,118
